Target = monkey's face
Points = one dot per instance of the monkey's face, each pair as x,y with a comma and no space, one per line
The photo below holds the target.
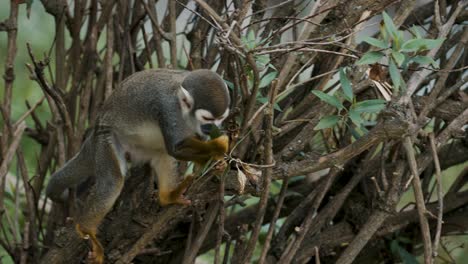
207,113
207,122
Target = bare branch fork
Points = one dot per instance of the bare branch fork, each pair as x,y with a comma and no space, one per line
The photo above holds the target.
38,73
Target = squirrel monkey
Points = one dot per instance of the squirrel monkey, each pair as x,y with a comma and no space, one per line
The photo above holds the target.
156,116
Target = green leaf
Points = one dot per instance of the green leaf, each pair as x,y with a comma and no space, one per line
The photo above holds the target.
355,117
376,42
383,33
405,240
354,132
394,247
328,99
424,60
433,43
262,61
251,35
370,57
399,57
364,129
271,66
215,132
277,107
249,41
404,65
389,26
398,40
267,79
413,45
369,106
416,32
403,84
405,256
262,100
327,122
394,75
346,85
250,78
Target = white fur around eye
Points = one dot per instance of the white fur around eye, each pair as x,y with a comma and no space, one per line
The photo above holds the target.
221,119
226,113
201,113
185,100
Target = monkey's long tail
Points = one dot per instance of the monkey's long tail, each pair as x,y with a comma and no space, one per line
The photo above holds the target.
76,171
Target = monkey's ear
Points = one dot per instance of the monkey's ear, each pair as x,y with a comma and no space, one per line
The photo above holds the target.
185,100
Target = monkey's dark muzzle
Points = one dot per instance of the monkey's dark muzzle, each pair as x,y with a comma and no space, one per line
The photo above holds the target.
207,128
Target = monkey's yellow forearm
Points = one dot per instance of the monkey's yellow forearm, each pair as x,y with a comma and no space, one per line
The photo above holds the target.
193,149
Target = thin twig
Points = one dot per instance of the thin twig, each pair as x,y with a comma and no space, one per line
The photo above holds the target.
173,33
10,152
376,219
9,76
108,58
440,197
290,50
304,35
418,195
293,247
39,75
29,112
188,243
158,33
222,216
266,176
30,243
272,227
198,242
317,255
24,249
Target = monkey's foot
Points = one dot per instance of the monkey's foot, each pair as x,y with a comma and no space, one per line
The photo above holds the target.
168,198
221,166
82,233
176,196
96,256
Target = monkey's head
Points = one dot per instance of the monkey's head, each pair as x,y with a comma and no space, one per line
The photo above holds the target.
204,100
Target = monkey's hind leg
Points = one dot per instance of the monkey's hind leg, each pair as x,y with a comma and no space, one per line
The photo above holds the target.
110,169
97,253
177,194
169,191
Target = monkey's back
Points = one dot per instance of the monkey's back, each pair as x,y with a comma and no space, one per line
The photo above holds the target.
138,111
141,98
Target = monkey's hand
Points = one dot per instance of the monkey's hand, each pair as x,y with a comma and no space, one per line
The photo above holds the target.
176,196
220,147
193,149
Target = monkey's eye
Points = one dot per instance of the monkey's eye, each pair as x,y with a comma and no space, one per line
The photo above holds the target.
207,119
186,102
